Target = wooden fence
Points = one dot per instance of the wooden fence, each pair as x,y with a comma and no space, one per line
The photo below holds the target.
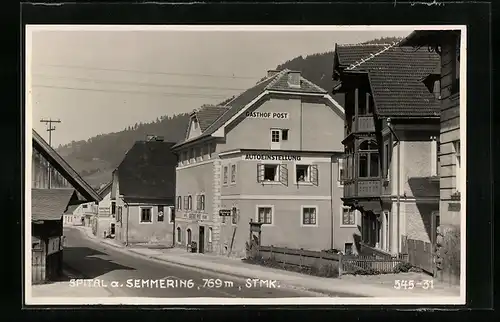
420,254
38,266
346,264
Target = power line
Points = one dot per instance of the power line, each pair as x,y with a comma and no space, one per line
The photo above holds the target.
148,72
99,81
192,95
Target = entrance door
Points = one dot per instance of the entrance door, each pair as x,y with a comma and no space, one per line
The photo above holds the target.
201,247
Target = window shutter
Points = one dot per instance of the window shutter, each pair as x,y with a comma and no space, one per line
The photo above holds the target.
314,174
260,172
283,172
185,202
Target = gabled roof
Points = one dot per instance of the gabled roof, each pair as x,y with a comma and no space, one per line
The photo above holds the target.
277,82
71,209
56,161
395,74
50,204
427,37
148,171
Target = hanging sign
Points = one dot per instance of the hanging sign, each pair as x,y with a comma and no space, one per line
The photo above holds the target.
225,212
268,115
53,245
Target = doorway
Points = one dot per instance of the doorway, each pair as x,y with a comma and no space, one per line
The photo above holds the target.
112,229
201,247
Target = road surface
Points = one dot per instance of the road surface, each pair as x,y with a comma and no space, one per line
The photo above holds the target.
129,275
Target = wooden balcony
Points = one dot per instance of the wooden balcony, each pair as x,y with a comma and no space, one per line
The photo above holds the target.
360,124
363,187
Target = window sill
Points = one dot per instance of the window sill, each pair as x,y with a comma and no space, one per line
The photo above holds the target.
309,226
348,226
145,222
271,183
304,183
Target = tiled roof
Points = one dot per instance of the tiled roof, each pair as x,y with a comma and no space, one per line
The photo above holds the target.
207,114
50,204
276,82
148,171
349,54
64,168
395,75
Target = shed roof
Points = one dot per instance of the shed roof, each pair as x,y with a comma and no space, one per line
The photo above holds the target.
50,204
56,161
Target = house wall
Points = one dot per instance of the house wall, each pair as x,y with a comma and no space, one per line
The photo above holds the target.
133,231
304,112
450,132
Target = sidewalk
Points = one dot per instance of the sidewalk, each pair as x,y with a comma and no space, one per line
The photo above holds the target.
372,286
67,289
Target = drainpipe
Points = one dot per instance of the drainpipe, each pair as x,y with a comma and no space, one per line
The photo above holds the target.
331,207
398,183
126,230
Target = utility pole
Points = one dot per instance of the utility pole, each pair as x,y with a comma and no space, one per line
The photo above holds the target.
50,128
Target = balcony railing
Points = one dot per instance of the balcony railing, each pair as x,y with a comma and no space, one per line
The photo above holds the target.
363,187
360,124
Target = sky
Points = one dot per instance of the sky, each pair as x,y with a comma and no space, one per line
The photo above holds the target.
98,82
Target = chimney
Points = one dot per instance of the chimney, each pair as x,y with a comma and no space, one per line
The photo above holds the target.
272,72
294,78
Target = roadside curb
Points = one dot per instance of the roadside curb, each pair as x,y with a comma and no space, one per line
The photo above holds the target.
367,290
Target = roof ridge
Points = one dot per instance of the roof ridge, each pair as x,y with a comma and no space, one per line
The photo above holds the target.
363,45
373,55
265,79
312,84
277,78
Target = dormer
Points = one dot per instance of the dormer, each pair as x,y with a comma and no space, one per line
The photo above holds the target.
194,127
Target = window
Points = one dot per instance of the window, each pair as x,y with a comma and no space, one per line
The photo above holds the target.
365,103
348,248
113,207
434,156
309,215
160,213
119,217
195,124
224,219
200,202
185,157
225,175
437,89
146,215
458,166
275,136
199,154
265,215
190,203
186,203
368,160
209,234
284,134
179,203
233,173
172,215
84,206
179,236
267,173
191,153
188,235
305,173
348,216
341,173
209,151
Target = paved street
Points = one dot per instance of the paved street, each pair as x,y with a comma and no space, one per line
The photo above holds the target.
109,267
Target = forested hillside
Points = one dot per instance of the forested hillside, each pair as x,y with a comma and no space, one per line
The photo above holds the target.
96,158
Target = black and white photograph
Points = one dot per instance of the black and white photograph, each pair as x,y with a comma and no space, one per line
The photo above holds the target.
255,165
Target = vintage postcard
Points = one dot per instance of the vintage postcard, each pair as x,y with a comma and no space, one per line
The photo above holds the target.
272,165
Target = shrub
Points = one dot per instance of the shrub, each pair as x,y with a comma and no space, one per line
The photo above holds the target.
328,270
403,267
365,271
